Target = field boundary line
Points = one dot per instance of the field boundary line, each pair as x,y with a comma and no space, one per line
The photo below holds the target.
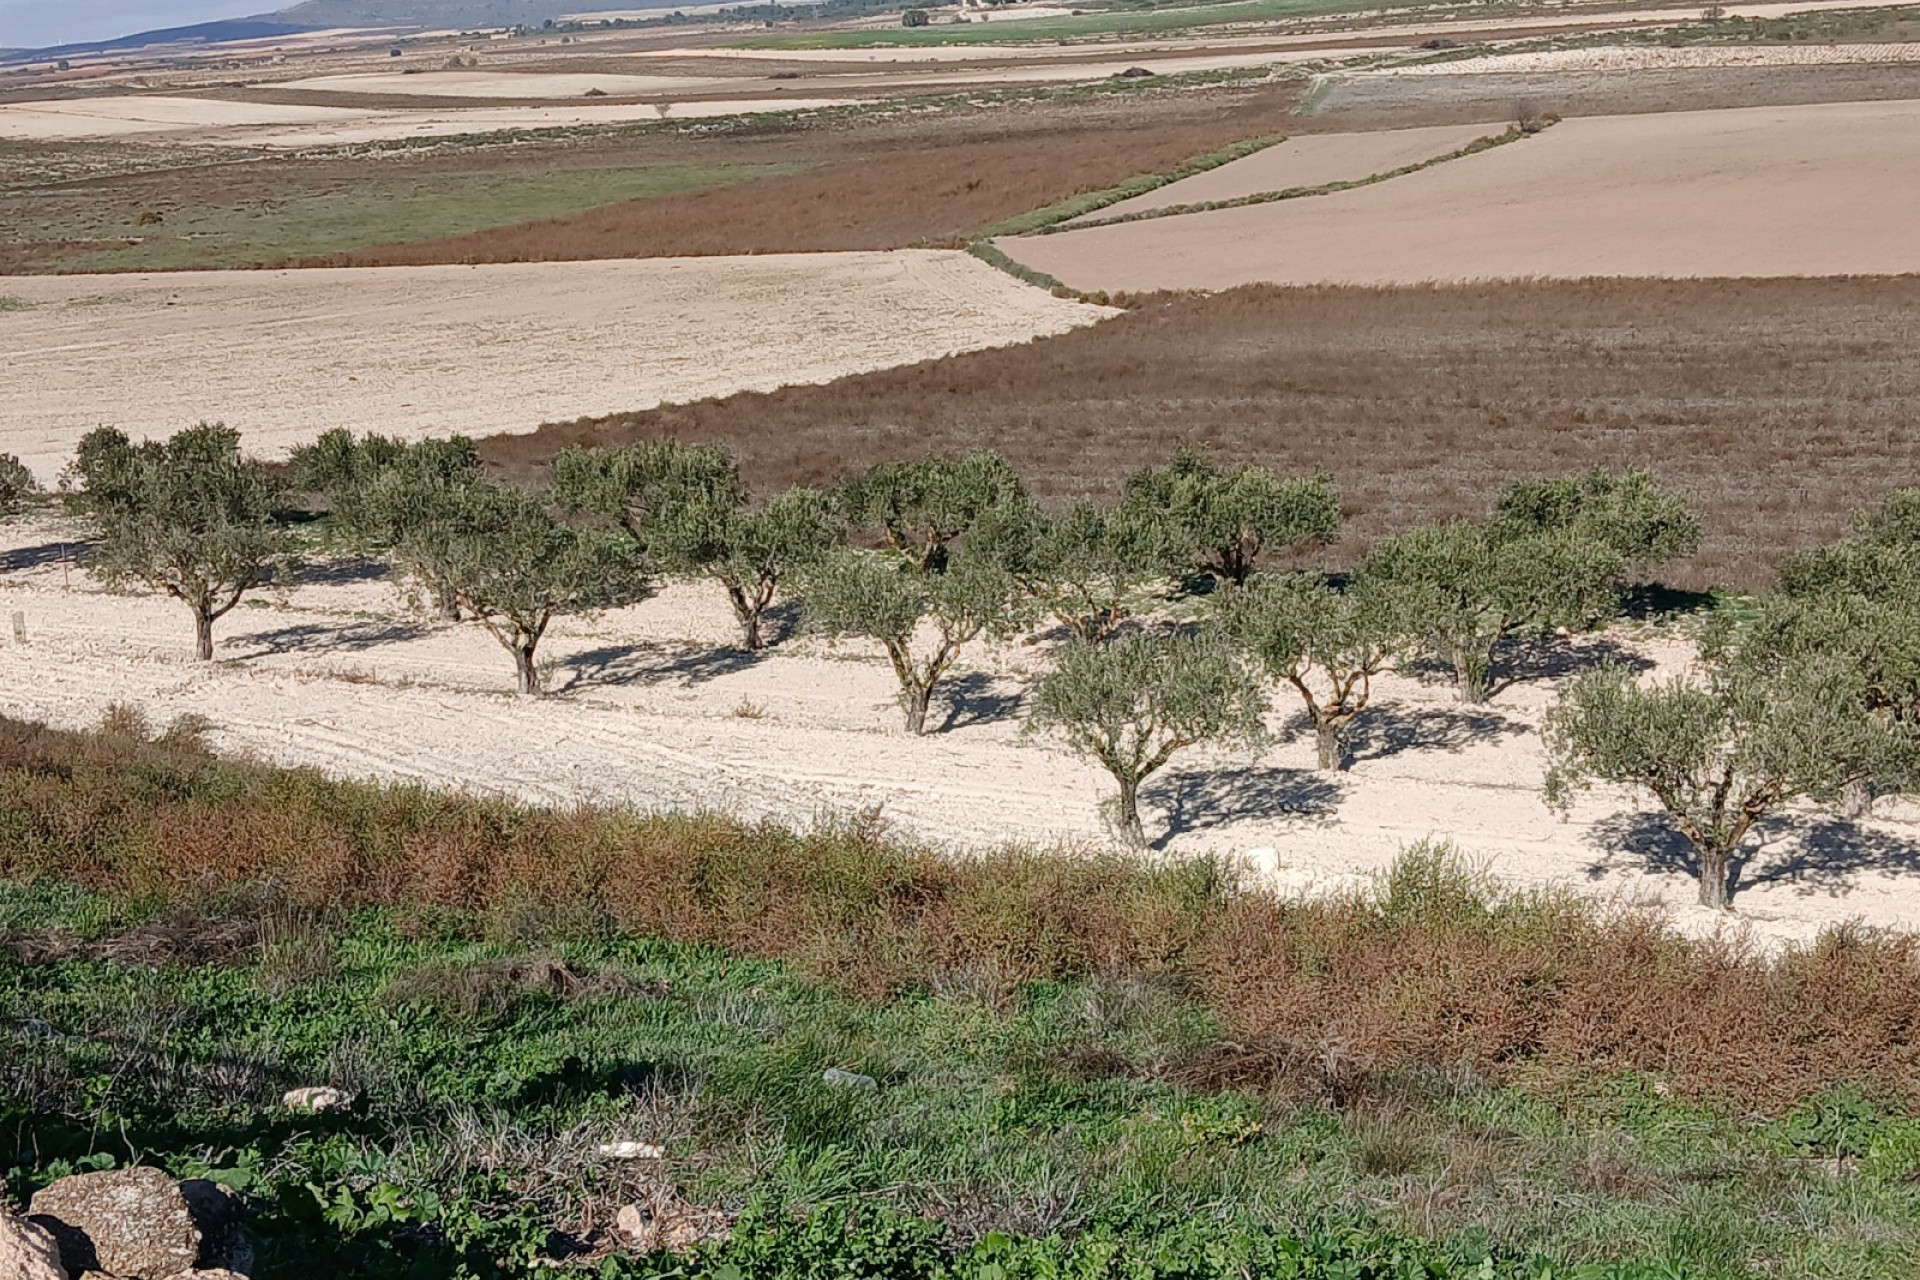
1513,134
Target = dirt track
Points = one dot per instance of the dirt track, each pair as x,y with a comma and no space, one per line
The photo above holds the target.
417,350
1763,191
658,712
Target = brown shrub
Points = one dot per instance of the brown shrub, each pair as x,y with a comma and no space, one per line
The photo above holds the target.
1434,978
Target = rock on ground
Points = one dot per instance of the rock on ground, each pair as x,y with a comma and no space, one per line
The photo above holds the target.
27,1250
140,1224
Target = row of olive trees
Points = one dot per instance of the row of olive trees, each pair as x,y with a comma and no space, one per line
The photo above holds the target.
1819,693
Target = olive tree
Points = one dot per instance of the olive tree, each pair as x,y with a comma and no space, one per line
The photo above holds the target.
1859,600
1626,512
17,485
379,490
1224,521
189,516
925,505
922,620
1082,566
1327,641
1133,703
509,562
1461,590
1718,751
686,508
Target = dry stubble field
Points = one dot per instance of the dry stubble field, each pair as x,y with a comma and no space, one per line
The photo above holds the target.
416,351
1778,405
1821,190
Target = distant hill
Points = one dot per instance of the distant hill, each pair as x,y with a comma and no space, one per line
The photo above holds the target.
263,27
447,13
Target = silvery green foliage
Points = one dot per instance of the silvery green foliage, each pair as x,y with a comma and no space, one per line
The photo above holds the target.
1133,703
188,516
1222,522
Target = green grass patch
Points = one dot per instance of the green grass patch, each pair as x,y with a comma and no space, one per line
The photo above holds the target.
10,303
1040,1133
381,208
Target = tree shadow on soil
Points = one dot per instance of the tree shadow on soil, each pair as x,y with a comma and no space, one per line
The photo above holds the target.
1820,855
978,698
341,571
47,553
312,637
1388,730
621,665
1196,799
1549,657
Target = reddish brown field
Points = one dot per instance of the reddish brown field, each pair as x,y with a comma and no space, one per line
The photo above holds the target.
888,185
1779,405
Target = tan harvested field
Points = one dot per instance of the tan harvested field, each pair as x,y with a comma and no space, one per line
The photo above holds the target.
1779,406
419,350
1822,190
223,123
1661,58
339,673
1310,160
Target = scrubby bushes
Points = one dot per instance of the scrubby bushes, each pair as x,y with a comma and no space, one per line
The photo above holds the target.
1436,973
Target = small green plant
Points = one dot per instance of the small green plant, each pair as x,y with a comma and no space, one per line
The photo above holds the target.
8,302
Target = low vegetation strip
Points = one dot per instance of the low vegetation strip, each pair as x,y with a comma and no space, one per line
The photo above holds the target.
597,1039
1442,973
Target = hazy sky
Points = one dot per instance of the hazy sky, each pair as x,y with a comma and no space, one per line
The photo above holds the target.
30,24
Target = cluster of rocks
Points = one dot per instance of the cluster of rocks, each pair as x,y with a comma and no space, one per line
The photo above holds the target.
125,1224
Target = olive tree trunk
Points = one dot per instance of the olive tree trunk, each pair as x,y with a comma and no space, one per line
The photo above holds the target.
1716,863
1126,814
203,632
527,674
1330,744
916,698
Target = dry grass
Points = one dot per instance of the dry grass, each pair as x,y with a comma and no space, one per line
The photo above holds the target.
1778,405
1434,975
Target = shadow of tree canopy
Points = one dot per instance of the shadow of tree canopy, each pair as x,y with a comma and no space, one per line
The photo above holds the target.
1387,730
46,553
340,571
1195,799
1540,657
1819,855
646,662
313,637
977,697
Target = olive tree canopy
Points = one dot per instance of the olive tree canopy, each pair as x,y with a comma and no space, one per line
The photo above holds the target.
1222,522
1133,703
1327,641
188,516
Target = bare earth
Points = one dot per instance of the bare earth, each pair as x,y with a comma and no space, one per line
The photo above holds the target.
414,351
655,710
1660,58
1820,190
1311,160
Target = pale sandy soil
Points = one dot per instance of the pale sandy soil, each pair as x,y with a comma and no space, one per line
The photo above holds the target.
216,122
1311,160
655,710
1819,190
284,355
1660,58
